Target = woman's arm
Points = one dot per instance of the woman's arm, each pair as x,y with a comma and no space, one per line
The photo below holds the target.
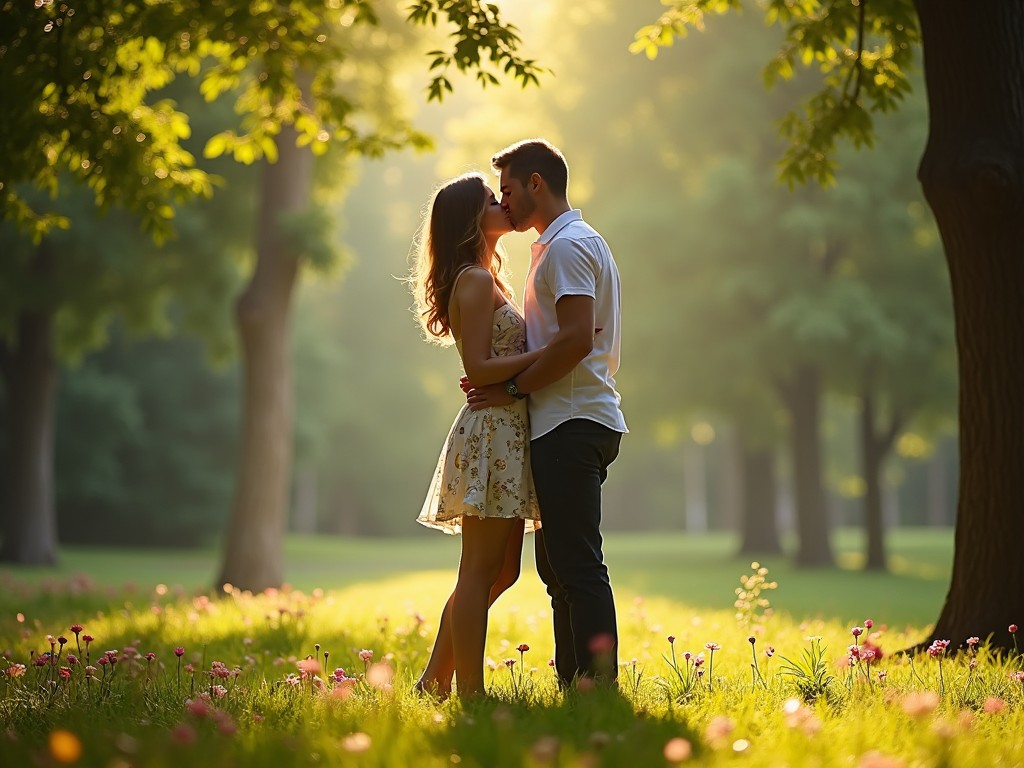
474,303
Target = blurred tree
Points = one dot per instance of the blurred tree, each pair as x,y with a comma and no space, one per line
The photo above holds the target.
969,173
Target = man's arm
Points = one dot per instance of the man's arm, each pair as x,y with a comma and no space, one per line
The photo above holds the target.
570,345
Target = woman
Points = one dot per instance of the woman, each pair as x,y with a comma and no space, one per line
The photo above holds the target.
482,487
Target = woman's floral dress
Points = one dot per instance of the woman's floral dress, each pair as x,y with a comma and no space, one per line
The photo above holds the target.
484,467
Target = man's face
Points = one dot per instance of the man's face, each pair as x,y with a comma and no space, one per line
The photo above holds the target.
517,201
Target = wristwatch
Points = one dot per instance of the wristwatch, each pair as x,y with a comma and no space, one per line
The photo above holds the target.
512,389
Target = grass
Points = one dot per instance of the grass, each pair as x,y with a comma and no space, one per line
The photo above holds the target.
701,571
384,596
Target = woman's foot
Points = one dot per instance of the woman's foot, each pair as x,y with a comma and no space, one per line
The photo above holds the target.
430,688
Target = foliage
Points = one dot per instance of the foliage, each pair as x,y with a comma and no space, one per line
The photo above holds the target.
811,671
863,52
325,678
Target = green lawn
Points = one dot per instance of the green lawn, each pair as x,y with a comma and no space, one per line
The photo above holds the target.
701,571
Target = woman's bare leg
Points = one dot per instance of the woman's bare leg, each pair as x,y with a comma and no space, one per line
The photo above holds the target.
437,675
484,545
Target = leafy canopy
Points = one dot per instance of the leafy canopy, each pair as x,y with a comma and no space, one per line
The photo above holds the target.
863,51
84,80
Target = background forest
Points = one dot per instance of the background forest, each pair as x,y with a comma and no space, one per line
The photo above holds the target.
782,347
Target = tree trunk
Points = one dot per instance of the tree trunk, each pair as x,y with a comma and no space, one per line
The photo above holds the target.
28,529
695,487
972,173
254,545
802,396
874,448
759,531
29,534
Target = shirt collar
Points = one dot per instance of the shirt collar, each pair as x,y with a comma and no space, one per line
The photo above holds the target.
558,224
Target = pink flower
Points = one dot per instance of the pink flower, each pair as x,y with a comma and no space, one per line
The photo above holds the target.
937,648
713,647
219,691
551,662
769,651
76,628
602,643
972,641
671,639
365,655
698,659
179,651
920,703
16,670
523,648
150,656
197,707
183,734
87,639
993,705
72,659
510,663
868,623
677,750
856,631
1013,629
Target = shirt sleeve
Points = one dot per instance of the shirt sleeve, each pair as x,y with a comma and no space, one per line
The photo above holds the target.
572,269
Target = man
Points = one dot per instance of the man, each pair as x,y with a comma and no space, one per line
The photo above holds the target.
571,304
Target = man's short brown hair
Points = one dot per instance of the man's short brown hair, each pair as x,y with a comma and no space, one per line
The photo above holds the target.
524,158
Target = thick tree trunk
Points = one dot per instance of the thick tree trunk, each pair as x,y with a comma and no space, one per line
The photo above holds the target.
28,529
29,533
802,396
972,173
254,544
759,530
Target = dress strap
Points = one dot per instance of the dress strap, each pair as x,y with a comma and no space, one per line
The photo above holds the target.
461,272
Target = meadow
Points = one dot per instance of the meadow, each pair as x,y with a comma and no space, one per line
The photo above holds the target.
320,672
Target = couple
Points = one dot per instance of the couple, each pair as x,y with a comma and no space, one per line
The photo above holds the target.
542,422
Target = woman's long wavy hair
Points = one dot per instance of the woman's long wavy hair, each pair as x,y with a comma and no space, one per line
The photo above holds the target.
450,238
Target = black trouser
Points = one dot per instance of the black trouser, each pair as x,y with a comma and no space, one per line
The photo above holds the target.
569,465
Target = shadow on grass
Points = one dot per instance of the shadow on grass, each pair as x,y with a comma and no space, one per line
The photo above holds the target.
600,727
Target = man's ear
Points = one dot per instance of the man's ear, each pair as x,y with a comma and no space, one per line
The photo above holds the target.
535,181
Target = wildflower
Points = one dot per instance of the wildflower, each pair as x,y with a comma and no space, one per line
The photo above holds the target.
150,657
510,663
671,639
601,644
677,750
751,639
551,662
65,673
219,691
183,734
1013,629
920,703
713,647
868,623
380,676
875,759
179,651
308,667
90,671
65,746
769,651
1018,676
698,660
197,707
523,648
993,705
365,656
972,642
16,670
72,659
718,730
857,631
356,742
937,648
76,628
545,750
